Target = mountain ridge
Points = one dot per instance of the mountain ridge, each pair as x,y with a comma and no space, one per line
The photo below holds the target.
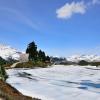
90,58
7,51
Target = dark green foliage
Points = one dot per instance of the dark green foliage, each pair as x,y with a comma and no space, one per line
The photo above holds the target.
41,56
32,51
47,58
2,61
3,74
35,55
83,63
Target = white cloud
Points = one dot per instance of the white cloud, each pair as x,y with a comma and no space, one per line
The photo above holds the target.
66,11
69,9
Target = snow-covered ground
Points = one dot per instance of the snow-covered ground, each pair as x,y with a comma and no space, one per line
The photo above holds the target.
58,82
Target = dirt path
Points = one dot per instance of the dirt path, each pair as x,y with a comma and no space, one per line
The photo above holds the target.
14,65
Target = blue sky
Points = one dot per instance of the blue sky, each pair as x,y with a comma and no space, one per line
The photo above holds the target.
59,27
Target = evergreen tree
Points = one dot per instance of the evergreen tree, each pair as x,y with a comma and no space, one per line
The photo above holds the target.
32,51
41,56
3,75
2,61
48,58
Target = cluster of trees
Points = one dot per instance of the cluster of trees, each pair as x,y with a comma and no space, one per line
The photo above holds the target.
35,55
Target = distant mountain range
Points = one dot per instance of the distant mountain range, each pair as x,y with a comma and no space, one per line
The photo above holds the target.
90,58
9,52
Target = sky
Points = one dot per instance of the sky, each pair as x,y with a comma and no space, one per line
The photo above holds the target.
59,27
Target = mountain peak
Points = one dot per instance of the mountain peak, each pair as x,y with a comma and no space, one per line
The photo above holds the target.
7,51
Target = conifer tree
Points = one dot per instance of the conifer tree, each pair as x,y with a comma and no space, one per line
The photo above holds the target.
48,58
41,56
32,51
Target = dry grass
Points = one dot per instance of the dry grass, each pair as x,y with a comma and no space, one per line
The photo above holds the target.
31,64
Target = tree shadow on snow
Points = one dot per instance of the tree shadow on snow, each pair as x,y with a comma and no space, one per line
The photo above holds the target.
90,84
84,84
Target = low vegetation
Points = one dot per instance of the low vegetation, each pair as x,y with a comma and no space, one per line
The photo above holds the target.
81,63
7,63
93,63
31,64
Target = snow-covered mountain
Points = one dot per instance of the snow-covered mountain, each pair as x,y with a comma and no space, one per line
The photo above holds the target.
76,58
7,51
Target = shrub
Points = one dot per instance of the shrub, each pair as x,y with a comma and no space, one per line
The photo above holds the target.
83,63
31,64
25,65
95,63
